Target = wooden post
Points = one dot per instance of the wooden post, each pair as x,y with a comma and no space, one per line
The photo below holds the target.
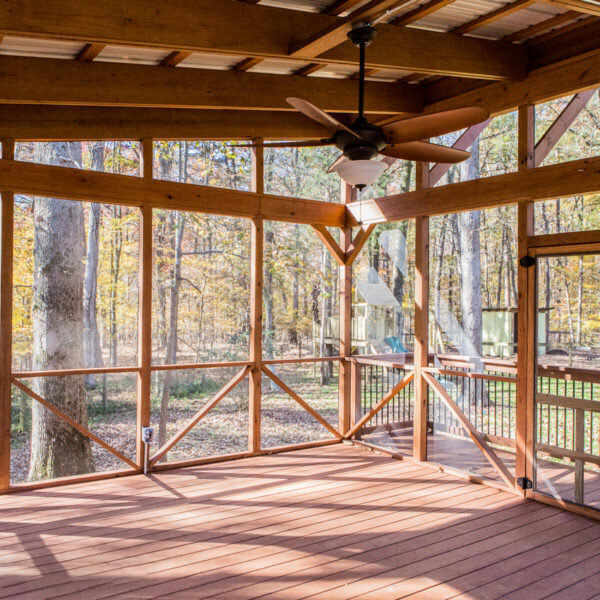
145,308
355,396
580,449
256,308
421,354
345,333
6,291
525,311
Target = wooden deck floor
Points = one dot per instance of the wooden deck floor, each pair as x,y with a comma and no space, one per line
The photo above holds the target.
334,522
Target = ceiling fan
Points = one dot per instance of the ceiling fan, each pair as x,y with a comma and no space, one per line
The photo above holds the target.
361,141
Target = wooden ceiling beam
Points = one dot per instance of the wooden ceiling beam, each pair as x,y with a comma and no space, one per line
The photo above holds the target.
92,186
590,7
76,83
542,183
570,76
494,15
237,28
28,122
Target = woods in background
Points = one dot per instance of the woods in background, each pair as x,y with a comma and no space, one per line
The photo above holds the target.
76,269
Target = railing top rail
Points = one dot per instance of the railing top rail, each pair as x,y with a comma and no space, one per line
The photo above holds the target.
498,365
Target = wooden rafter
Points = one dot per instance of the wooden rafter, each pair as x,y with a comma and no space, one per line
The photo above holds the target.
61,82
560,32
290,392
589,7
174,58
335,9
541,183
477,437
93,186
46,123
191,423
494,15
247,63
383,402
420,12
90,51
542,26
260,31
73,423
562,123
335,34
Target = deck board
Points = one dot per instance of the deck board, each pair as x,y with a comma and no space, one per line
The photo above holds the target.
329,522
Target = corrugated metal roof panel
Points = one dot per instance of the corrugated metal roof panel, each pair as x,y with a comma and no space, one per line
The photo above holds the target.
134,55
211,61
39,47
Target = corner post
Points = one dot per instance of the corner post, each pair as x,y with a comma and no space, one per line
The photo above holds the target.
526,308
6,293
345,328
145,309
421,353
256,308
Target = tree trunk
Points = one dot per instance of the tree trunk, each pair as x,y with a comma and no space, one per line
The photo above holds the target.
58,450
470,262
92,351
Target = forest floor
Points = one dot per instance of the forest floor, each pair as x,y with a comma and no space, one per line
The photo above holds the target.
224,430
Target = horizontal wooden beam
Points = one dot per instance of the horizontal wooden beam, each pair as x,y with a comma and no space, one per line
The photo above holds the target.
47,123
91,186
240,29
542,183
69,82
554,81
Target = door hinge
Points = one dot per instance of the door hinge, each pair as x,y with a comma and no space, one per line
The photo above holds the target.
524,483
527,261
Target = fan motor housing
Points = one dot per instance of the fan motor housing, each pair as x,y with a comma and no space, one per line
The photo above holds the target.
371,141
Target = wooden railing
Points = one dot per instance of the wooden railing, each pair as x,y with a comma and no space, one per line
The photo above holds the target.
567,401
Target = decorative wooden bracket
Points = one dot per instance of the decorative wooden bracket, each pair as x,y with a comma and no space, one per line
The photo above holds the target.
290,392
393,392
477,438
228,387
344,259
330,243
357,243
83,430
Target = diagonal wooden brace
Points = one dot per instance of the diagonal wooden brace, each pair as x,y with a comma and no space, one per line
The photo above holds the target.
83,430
301,402
477,438
228,387
393,392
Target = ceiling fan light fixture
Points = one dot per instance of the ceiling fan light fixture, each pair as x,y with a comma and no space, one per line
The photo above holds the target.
360,173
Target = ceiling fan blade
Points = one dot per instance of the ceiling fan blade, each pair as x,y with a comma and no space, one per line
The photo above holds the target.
425,152
302,144
318,115
339,160
428,126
